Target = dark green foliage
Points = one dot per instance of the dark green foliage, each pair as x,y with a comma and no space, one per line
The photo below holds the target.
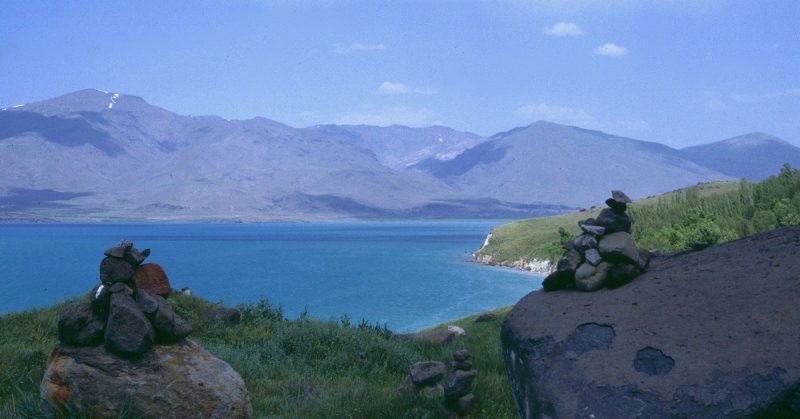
292,368
687,217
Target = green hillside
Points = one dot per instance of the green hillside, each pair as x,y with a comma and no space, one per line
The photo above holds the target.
711,213
292,368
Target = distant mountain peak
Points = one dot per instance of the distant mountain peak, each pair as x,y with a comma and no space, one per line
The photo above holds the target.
87,100
754,139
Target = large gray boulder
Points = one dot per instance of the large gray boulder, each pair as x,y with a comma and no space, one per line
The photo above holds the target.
702,334
171,381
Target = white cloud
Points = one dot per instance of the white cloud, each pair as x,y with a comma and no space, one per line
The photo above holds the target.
555,113
393,115
611,50
564,29
392,88
357,47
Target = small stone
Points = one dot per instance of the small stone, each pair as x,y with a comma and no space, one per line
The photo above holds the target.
100,299
620,196
426,373
585,241
569,261
619,247
458,383
120,287
115,270
593,257
169,327
153,279
656,253
128,331
456,330
462,355
134,257
592,229
613,221
78,325
118,251
591,278
146,302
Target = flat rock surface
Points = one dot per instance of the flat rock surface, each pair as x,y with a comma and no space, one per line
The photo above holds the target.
170,381
712,333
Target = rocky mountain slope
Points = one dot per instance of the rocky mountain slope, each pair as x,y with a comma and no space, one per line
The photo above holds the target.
556,163
108,154
753,156
398,146
701,334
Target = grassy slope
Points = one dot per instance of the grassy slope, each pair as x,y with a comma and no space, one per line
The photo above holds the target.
531,239
300,368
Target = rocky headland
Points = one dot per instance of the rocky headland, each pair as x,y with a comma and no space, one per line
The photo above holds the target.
710,333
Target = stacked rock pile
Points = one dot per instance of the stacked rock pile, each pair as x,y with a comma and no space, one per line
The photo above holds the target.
458,397
125,311
603,255
424,380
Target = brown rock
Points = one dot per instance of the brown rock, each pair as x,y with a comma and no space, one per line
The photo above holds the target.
153,279
171,381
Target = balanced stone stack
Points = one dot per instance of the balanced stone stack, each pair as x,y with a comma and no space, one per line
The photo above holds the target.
424,380
604,255
125,317
458,397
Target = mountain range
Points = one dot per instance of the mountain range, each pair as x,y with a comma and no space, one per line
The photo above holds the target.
101,155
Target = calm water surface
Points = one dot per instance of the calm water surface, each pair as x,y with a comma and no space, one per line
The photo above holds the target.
408,275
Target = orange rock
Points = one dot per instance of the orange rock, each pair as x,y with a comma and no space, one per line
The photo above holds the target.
152,278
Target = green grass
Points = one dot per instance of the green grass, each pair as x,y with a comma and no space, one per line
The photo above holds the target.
292,368
710,213
534,238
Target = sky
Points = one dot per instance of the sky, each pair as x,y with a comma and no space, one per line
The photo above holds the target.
675,72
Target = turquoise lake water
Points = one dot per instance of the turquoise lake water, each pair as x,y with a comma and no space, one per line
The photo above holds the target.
408,275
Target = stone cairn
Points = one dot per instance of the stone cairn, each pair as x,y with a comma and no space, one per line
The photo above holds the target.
458,397
424,380
604,255
127,311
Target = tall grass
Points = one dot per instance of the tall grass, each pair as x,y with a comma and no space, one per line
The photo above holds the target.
292,368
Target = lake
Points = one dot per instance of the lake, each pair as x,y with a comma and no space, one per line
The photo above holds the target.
409,275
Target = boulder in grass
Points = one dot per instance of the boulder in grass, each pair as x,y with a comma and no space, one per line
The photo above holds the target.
153,279
78,325
171,381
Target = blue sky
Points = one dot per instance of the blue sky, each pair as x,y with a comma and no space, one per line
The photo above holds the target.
677,72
